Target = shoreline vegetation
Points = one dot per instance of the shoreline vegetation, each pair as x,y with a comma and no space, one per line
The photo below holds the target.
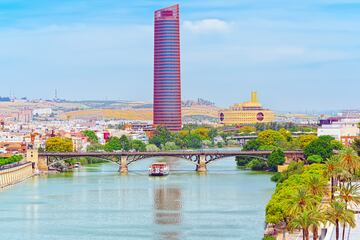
10,160
308,197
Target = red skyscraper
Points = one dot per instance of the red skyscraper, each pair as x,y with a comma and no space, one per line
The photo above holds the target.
167,83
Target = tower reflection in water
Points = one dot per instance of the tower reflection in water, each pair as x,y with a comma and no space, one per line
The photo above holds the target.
167,211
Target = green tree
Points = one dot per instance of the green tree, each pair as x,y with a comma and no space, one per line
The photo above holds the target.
268,148
246,130
256,165
349,194
138,145
170,146
271,137
152,148
316,185
91,135
212,134
286,133
125,143
332,169
321,146
306,140
252,145
336,145
202,132
315,159
9,160
356,145
94,147
293,168
276,158
301,200
113,144
193,141
161,136
242,161
337,214
59,144
349,160
304,221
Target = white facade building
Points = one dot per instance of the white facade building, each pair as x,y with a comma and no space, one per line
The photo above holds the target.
344,131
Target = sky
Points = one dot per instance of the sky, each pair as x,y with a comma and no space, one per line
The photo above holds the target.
298,55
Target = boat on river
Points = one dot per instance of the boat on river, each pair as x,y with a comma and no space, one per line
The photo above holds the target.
159,169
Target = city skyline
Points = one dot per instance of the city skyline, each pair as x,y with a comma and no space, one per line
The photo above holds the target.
299,56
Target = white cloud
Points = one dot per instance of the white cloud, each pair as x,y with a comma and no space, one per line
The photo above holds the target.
207,26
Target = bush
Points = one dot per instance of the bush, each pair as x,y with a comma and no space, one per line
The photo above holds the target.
252,145
9,160
315,159
242,161
138,145
276,177
152,148
169,146
256,165
294,168
269,238
276,158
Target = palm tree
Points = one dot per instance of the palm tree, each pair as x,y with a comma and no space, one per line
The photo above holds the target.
316,186
311,217
300,201
337,214
332,172
349,160
317,216
349,194
302,221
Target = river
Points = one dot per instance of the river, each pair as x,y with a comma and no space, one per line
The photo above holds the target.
95,203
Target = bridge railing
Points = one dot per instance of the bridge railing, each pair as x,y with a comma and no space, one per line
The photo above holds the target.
12,165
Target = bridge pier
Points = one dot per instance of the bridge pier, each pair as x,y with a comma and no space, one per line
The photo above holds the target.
40,163
201,167
123,165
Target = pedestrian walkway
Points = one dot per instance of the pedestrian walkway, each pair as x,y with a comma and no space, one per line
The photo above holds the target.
355,233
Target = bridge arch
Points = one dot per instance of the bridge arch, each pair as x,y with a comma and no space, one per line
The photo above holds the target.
69,158
193,158
211,160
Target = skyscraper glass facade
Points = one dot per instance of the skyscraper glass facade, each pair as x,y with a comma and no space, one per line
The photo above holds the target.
167,81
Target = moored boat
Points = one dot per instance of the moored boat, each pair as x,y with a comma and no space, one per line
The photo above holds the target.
159,169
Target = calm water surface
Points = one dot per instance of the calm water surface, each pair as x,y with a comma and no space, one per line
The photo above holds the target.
96,203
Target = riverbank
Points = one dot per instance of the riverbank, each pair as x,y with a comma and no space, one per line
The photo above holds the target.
183,205
15,173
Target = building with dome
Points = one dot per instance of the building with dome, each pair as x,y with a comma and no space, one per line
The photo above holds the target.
246,113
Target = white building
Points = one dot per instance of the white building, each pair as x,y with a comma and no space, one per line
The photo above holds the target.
344,130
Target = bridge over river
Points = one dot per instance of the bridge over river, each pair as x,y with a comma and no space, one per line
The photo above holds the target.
200,158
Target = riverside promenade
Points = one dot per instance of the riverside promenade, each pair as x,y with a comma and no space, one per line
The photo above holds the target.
15,173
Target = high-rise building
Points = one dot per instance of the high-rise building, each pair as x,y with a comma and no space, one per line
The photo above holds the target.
167,81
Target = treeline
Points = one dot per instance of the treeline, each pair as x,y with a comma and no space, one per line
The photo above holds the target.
303,199
9,160
316,149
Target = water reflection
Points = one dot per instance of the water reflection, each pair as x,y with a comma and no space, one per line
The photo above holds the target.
167,210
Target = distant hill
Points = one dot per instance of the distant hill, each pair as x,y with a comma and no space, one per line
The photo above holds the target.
144,114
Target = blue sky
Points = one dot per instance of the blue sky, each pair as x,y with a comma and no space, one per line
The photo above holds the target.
299,55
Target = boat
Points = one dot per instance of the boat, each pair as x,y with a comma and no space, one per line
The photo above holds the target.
77,165
159,169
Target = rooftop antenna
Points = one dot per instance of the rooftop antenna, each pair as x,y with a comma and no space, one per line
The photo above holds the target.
56,94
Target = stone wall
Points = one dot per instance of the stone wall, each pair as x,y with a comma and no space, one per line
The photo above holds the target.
15,174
